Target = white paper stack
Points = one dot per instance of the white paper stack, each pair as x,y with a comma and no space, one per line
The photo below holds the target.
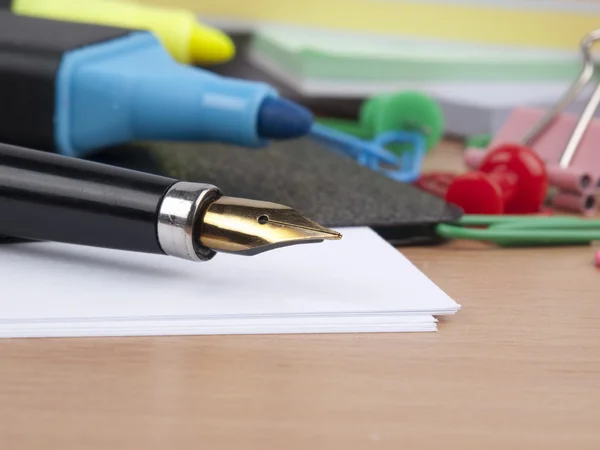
358,284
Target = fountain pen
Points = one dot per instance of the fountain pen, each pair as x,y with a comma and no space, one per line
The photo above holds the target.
50,197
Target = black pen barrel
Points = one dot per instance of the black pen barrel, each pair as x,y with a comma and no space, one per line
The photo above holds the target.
44,196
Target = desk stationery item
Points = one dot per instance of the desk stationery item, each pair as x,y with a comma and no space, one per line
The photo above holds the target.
561,173
359,59
373,154
559,138
77,88
470,106
478,141
329,187
511,179
585,203
574,189
438,184
49,197
409,111
548,24
188,41
522,231
305,289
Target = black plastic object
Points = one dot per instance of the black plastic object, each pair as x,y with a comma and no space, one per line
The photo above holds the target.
30,56
44,196
328,187
6,4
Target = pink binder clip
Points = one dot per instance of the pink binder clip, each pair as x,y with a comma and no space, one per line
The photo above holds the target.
567,144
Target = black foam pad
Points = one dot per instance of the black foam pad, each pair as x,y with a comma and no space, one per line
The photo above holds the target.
328,187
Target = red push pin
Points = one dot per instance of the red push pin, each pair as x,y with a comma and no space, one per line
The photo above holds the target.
511,180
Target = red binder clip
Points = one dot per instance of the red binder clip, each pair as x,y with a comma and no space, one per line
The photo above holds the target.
567,144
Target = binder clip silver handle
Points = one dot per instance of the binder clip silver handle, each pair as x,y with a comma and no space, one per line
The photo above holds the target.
587,73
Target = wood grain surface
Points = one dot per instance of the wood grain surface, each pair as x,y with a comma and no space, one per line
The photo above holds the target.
517,368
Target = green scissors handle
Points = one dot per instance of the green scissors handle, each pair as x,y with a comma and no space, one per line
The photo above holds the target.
511,231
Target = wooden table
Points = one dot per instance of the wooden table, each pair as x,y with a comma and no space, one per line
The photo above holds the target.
517,368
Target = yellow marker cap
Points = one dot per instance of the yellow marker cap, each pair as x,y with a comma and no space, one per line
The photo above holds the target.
188,41
208,45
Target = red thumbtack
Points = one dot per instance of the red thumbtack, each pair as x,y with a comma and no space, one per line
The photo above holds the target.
511,180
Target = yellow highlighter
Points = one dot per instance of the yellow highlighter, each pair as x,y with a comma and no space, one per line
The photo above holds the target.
183,36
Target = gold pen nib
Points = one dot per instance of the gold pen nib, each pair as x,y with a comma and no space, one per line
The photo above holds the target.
250,227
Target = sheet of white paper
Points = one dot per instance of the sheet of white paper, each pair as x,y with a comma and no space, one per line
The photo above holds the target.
280,325
243,329
361,275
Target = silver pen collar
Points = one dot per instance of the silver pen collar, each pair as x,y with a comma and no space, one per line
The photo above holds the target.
184,204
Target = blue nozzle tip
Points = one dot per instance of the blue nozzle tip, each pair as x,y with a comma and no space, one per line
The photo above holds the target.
279,118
